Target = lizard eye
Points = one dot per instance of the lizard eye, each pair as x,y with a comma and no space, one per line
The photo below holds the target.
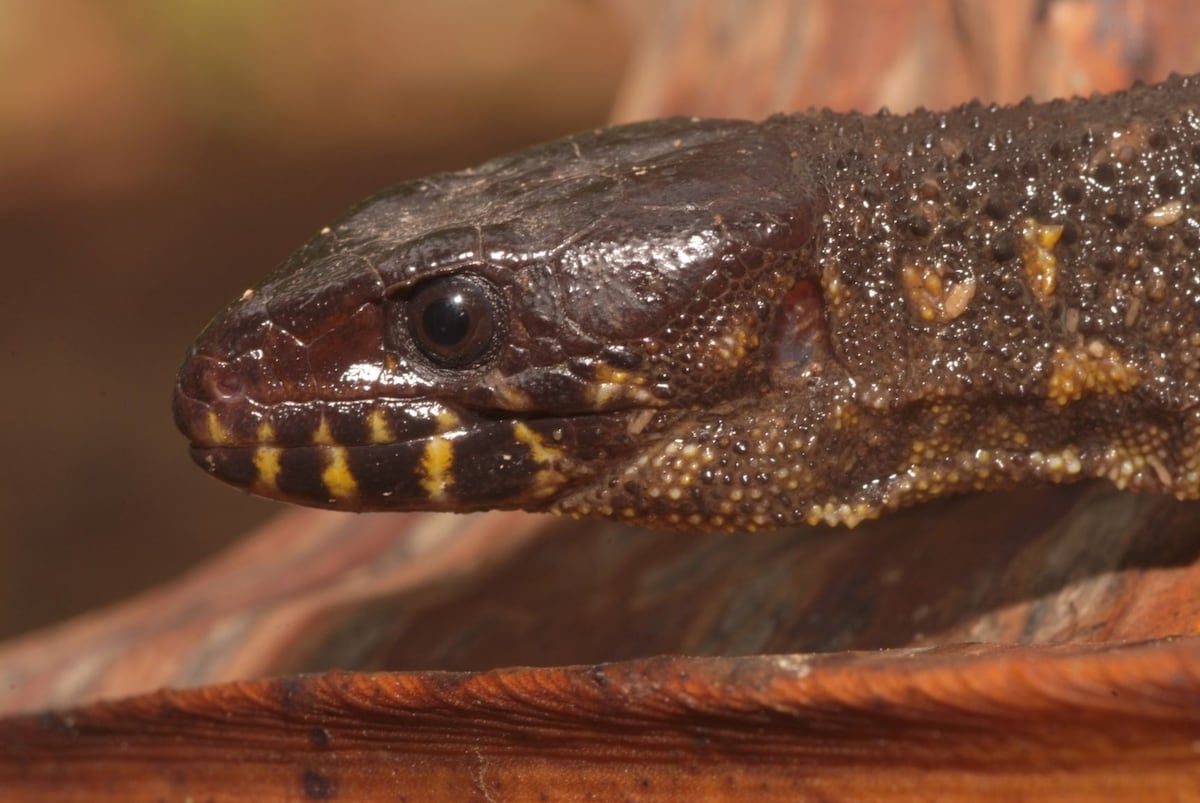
453,319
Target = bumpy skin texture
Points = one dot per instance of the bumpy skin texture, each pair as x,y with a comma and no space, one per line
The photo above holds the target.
727,325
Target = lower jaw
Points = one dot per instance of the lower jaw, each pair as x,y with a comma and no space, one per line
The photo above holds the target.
500,463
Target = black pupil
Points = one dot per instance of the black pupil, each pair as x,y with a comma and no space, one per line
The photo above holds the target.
453,318
447,321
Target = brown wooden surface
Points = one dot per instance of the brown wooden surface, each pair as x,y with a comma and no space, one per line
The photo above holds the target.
1066,723
317,591
1087,688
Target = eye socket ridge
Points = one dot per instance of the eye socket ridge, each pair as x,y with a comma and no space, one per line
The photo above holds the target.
454,318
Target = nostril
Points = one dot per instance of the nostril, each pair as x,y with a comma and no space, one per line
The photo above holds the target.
208,380
223,385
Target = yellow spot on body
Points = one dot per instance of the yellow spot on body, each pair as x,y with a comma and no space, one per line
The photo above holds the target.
1059,466
639,421
1096,369
606,374
266,463
1164,215
604,395
338,479
1160,470
958,298
726,351
217,434
611,385
437,463
1133,312
1041,265
931,297
845,417
381,428
835,291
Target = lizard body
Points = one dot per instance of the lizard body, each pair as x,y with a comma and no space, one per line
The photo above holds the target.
712,324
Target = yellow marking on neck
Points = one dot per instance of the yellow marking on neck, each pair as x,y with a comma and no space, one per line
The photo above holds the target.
606,374
323,437
217,433
266,463
381,429
605,394
610,385
437,464
338,479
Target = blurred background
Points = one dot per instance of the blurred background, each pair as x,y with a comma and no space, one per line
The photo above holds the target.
159,156
156,158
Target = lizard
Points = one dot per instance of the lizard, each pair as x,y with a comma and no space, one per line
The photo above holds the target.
706,324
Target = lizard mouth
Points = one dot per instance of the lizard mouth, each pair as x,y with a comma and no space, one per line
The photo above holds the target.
253,424
397,454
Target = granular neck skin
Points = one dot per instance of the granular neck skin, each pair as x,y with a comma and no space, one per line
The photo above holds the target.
998,295
957,251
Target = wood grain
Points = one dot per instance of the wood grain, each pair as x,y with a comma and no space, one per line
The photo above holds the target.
1065,723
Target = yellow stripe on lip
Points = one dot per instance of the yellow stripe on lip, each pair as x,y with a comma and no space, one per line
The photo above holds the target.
538,450
547,480
266,463
381,428
447,421
323,436
217,434
437,465
338,479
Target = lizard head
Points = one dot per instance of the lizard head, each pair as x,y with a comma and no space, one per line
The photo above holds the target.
504,336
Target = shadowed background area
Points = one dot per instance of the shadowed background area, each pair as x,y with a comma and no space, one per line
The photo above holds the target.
157,158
